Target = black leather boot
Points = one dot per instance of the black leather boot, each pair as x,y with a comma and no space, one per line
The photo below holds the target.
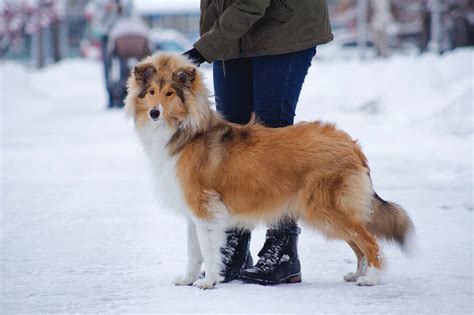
236,255
278,261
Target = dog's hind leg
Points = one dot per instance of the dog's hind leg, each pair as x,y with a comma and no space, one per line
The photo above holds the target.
212,237
361,263
367,243
193,268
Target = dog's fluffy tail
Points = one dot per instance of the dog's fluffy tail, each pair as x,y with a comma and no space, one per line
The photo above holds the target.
391,222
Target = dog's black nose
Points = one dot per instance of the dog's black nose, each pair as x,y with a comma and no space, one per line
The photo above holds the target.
154,114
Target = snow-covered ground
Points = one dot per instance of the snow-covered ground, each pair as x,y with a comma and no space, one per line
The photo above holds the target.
82,232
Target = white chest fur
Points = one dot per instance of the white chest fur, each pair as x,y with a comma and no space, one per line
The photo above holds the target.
154,137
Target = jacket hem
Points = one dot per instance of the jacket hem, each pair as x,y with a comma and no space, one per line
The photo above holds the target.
205,50
208,53
287,48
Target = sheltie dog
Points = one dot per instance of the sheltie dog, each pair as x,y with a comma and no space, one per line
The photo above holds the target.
222,175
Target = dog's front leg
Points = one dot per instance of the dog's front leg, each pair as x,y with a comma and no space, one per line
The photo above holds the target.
212,237
193,268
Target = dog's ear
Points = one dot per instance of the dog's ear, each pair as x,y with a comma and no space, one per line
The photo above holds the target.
144,73
185,75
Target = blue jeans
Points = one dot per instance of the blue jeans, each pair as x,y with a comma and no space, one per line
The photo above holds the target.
106,61
269,86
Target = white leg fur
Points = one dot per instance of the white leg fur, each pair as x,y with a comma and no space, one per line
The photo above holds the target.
211,235
361,270
371,277
193,268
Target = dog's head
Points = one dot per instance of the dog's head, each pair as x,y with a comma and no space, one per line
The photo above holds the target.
166,88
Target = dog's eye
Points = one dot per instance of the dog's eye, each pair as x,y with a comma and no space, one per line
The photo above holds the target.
152,92
169,93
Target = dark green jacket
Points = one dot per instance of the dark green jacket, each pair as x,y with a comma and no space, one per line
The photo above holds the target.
247,28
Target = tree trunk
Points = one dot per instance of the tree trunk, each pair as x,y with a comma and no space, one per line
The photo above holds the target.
436,27
380,24
362,27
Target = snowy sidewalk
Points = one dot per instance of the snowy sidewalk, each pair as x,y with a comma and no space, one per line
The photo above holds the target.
82,232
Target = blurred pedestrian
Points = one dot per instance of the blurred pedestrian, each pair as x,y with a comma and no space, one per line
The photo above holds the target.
127,44
261,52
103,14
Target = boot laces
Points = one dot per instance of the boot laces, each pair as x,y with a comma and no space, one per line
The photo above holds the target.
271,256
229,250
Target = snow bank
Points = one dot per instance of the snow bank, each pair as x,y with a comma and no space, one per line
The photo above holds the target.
420,90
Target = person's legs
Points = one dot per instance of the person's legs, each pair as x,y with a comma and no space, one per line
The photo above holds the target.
277,83
122,86
233,93
106,63
233,89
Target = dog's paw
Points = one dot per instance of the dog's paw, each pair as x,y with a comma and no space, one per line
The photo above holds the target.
205,284
184,280
352,277
366,281
372,277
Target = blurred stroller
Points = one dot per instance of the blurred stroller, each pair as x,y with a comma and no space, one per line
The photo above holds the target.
127,44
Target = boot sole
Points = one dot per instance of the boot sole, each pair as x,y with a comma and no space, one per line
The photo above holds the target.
294,278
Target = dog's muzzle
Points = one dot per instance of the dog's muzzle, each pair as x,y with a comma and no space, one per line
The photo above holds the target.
154,114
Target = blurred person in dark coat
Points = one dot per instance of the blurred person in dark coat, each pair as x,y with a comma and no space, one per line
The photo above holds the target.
102,15
127,43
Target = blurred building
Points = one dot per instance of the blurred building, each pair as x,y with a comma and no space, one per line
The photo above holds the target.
400,25
41,32
75,27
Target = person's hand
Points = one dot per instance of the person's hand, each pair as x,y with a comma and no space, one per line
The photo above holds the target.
194,56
